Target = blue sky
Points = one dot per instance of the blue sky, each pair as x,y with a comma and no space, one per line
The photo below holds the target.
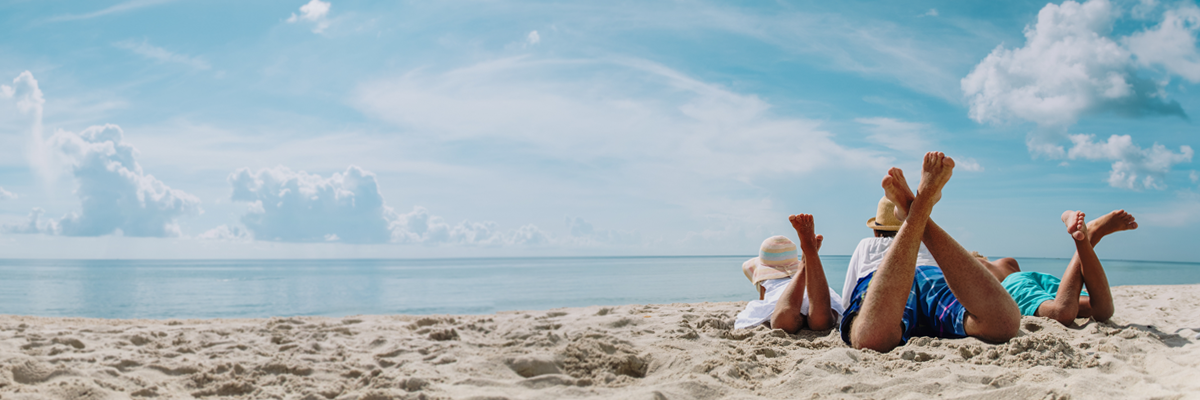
183,129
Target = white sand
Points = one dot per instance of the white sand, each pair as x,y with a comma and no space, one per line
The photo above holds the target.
677,351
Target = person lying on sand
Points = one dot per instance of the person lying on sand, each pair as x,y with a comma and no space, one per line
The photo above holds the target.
1045,295
870,251
901,299
784,284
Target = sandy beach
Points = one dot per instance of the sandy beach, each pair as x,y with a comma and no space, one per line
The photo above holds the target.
670,351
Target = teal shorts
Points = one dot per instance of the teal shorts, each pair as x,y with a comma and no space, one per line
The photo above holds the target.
1031,289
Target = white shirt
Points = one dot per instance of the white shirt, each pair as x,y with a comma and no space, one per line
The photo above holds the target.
867,257
759,311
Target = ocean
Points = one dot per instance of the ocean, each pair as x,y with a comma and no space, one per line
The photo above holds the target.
164,289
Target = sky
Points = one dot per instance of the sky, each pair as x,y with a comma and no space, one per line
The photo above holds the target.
477,128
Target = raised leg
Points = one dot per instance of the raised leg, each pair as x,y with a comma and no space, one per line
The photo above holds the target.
878,325
787,312
991,312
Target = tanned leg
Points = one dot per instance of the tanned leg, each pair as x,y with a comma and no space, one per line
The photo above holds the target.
991,312
1099,305
787,312
878,325
1065,306
1002,268
820,315
1090,275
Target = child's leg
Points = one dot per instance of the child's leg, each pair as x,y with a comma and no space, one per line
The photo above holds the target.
787,312
820,314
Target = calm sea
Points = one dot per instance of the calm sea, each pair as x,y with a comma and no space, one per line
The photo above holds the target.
255,288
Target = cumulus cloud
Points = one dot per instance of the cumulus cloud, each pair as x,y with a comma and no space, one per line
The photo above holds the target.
1133,166
116,195
34,225
30,101
533,38
1072,66
145,49
933,12
1069,67
1171,44
295,206
316,12
6,195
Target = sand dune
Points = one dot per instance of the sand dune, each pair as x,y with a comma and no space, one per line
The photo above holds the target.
675,351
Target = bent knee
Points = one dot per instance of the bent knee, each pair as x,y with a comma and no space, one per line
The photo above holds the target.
790,325
882,343
998,330
1064,315
877,344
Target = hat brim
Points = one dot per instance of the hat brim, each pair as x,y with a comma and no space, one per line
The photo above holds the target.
871,224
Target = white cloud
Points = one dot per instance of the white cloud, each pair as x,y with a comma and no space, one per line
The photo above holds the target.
1068,67
1144,9
533,38
227,233
145,49
902,136
6,195
418,226
1134,167
116,195
34,225
1195,176
314,11
295,206
631,112
30,101
933,12
968,164
1171,44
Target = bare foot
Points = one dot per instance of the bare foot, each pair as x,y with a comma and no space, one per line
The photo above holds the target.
820,239
1075,225
895,187
805,229
1115,221
935,173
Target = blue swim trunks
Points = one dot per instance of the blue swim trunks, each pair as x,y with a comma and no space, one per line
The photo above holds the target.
931,310
1031,289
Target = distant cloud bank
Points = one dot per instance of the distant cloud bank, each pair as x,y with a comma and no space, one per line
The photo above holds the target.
296,206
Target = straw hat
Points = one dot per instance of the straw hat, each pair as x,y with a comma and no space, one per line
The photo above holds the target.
885,217
777,258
